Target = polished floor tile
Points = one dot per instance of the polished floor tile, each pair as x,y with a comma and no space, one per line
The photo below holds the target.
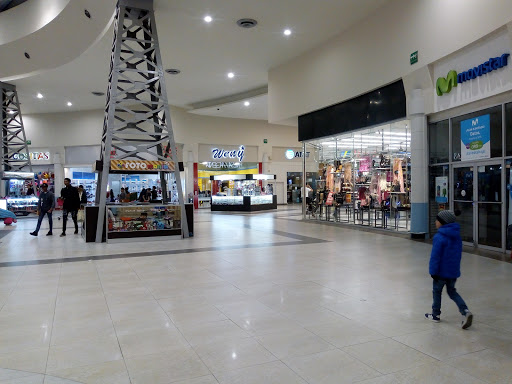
251,298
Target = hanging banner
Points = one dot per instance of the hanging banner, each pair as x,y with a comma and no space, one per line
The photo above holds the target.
442,189
475,137
141,165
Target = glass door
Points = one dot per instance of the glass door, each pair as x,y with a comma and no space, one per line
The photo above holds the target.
477,198
463,201
489,205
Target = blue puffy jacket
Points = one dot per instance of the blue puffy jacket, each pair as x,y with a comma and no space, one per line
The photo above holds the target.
446,252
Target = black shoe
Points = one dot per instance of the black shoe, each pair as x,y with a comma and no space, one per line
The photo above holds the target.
49,234
76,231
33,233
62,234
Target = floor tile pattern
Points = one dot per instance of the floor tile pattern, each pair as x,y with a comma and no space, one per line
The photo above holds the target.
251,298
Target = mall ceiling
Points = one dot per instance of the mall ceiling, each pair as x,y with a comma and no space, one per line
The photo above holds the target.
204,52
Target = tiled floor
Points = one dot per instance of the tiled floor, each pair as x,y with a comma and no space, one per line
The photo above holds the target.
261,298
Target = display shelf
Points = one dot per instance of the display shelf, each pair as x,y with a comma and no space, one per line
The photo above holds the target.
22,206
148,220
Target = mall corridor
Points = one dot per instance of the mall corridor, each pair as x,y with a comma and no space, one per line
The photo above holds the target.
254,298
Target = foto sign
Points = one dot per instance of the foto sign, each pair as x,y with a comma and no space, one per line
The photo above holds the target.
475,137
141,165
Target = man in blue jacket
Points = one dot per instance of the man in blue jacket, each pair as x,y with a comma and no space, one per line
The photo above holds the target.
444,266
45,206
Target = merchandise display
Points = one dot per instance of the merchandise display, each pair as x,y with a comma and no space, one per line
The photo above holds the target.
368,175
250,192
22,206
125,221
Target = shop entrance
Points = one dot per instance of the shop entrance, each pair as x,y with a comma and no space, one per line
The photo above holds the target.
477,194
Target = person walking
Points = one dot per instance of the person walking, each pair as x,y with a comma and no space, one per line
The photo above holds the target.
71,204
45,206
444,267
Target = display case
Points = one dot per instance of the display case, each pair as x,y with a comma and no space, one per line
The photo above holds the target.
22,206
244,203
239,192
143,221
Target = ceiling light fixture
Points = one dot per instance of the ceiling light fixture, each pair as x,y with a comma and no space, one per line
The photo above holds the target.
39,96
208,19
246,23
173,71
11,112
287,32
247,103
231,75
70,103
97,93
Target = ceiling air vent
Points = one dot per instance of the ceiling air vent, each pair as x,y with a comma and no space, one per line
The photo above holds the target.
95,93
172,71
246,23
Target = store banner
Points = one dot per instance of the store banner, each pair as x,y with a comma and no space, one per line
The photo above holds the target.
141,165
473,73
228,153
475,136
442,189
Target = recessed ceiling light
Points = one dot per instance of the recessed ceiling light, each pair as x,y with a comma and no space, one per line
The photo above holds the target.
70,103
231,75
247,103
208,19
39,96
287,32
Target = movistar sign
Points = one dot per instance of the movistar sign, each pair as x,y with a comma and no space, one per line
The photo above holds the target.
445,84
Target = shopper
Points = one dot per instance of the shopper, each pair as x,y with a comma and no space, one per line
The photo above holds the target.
444,266
112,198
142,195
45,206
82,195
154,193
122,195
30,190
69,195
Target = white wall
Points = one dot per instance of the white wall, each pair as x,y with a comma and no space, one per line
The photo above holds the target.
85,128
376,51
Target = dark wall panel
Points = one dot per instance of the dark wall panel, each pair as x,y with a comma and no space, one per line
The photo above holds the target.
377,107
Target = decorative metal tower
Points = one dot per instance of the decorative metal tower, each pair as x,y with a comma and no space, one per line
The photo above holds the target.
137,123
15,155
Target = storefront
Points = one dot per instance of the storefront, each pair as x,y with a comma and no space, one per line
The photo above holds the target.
287,165
217,160
360,162
470,142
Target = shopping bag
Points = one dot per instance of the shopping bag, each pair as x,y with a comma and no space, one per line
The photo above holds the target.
80,215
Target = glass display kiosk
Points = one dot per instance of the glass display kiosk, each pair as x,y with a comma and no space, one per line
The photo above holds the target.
244,192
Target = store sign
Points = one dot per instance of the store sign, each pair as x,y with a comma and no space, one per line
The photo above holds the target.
230,154
141,165
445,84
34,156
222,165
475,136
290,154
442,189
414,58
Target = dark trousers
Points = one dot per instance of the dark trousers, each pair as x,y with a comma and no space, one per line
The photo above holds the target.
65,213
40,220
437,291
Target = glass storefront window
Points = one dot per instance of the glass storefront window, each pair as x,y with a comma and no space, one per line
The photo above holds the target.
495,131
363,177
508,198
439,139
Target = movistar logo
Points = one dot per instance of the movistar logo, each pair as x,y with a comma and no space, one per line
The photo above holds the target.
445,84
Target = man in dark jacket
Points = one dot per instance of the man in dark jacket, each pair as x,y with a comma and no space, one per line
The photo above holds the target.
444,266
45,206
71,205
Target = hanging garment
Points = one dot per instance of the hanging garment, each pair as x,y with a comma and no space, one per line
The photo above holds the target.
398,175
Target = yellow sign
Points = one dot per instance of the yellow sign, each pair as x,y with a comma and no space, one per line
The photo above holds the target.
141,165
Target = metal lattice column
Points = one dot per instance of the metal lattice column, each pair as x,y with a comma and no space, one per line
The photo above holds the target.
15,155
137,123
